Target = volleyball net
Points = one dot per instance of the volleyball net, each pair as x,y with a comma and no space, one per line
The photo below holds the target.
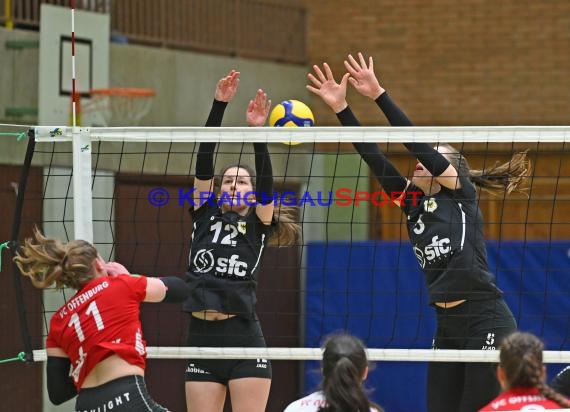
128,190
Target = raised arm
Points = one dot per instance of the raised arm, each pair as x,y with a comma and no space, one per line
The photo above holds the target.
204,180
256,116
366,83
334,95
364,80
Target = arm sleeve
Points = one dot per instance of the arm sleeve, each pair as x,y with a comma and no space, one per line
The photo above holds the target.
434,161
205,161
388,176
216,114
176,289
59,384
393,113
205,156
384,171
264,172
347,118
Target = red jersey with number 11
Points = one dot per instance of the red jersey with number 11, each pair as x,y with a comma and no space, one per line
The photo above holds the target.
100,320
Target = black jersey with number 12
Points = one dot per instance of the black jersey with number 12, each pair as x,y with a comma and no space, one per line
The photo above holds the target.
224,260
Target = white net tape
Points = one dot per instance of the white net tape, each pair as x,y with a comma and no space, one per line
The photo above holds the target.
407,355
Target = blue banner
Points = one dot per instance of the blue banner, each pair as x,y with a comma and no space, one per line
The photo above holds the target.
376,291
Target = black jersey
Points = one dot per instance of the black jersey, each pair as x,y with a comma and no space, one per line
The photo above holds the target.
224,260
446,232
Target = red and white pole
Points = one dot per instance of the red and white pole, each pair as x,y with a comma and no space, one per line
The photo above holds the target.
74,96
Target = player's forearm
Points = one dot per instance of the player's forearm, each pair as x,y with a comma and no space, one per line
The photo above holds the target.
263,170
216,113
59,384
176,289
393,113
385,172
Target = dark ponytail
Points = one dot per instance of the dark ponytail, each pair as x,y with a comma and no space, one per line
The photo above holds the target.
344,368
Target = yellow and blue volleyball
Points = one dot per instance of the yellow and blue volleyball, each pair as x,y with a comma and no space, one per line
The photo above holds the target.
291,113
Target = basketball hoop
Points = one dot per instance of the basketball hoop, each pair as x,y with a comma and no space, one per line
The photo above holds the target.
118,106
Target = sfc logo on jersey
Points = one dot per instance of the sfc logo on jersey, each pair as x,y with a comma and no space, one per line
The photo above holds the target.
242,227
203,261
430,205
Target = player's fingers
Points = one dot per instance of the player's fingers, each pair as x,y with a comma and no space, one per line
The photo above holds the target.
328,72
319,73
362,61
313,90
260,98
344,80
353,62
350,69
314,80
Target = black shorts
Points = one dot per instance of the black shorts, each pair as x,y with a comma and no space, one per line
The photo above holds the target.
233,332
126,394
475,324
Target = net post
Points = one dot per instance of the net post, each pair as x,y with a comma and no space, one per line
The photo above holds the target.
82,191
75,110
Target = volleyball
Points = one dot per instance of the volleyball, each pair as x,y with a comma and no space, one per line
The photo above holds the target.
291,113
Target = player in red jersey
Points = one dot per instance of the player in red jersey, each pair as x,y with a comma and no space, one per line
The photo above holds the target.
522,374
95,345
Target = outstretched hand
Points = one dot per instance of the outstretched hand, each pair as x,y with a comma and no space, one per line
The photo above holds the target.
115,269
362,76
227,87
258,109
326,87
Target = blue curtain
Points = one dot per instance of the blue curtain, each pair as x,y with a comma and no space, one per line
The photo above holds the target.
376,291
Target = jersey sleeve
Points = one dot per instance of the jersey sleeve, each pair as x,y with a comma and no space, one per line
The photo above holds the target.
136,285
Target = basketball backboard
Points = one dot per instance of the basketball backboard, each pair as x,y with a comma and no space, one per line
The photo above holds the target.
92,33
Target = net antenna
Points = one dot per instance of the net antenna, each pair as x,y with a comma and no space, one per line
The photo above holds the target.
117,106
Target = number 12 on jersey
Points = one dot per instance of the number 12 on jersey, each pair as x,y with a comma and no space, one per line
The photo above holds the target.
227,239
